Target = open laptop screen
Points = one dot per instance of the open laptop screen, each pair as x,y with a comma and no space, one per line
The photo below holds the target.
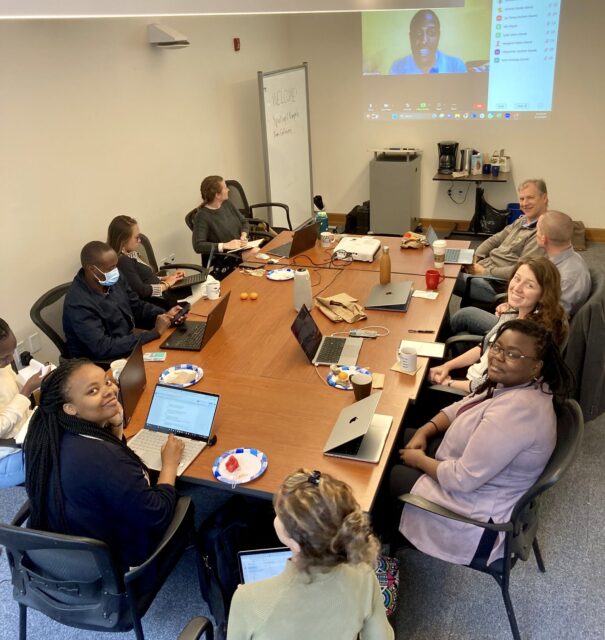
262,563
174,409
307,332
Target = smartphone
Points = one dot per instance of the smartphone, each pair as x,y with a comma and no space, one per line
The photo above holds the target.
250,265
185,307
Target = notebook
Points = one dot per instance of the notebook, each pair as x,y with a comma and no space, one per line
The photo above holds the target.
452,256
186,413
132,382
260,564
194,336
303,239
359,432
323,350
394,296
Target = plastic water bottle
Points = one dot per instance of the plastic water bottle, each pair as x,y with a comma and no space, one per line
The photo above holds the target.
385,265
302,289
321,217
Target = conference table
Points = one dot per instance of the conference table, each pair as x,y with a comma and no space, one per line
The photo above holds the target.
273,399
413,261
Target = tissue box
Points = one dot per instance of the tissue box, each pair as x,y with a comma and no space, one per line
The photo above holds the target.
476,164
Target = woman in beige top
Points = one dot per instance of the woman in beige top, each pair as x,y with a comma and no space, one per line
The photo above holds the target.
328,588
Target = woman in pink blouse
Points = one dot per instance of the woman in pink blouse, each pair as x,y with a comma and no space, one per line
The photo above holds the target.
495,443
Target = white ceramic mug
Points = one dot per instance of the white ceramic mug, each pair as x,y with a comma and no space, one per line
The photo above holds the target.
213,290
439,247
326,238
116,368
408,359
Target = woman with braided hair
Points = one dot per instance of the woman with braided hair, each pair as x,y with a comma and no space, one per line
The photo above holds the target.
81,477
328,588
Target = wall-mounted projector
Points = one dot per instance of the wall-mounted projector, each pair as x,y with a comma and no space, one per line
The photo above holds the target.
166,37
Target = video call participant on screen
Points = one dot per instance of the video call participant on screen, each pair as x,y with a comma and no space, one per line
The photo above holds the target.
101,310
81,477
425,31
498,255
329,588
124,237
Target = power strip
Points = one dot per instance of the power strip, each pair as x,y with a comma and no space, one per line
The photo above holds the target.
362,333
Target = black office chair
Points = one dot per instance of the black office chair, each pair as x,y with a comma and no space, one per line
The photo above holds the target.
468,297
75,580
47,314
237,197
147,254
520,531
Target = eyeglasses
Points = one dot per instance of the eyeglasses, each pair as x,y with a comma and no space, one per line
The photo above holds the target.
511,356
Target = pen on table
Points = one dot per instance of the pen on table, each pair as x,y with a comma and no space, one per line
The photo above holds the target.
420,331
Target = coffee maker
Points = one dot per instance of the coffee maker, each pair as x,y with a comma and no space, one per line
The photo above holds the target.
448,151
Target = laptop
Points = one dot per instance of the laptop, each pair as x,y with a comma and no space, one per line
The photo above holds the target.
320,349
196,278
359,432
394,296
260,564
194,336
132,382
452,256
363,249
186,413
303,239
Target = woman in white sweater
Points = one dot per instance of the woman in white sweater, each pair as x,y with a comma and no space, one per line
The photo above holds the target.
15,410
328,588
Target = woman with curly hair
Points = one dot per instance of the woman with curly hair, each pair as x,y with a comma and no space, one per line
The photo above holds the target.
328,588
534,292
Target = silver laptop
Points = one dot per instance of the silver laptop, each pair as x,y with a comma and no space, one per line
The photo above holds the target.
304,238
186,413
452,256
260,564
394,296
323,350
359,432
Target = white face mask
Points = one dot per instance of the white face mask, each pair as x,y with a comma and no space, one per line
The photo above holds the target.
110,278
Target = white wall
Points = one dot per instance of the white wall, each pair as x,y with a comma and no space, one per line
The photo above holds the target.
565,150
94,122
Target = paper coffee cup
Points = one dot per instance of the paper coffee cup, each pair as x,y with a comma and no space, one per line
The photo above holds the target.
362,385
439,247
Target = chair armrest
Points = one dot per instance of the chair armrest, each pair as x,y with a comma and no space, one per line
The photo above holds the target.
22,515
283,206
431,507
180,513
462,338
446,389
179,265
195,628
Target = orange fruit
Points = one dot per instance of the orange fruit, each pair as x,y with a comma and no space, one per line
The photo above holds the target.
243,295
253,295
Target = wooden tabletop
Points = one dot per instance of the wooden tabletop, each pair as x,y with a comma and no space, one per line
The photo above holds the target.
273,399
412,261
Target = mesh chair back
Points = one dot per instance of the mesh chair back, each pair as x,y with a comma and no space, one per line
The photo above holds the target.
146,252
47,314
570,427
190,217
237,197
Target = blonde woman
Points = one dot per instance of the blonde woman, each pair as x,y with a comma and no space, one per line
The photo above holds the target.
328,588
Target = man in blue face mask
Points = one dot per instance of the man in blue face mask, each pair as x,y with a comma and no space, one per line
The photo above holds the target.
101,310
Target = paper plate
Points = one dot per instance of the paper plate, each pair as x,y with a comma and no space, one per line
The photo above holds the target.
280,274
333,381
252,464
182,375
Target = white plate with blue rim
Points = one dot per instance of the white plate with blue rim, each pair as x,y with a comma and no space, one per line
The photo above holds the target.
281,274
345,385
252,464
182,375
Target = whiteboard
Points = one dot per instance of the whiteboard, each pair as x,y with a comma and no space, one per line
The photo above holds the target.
284,106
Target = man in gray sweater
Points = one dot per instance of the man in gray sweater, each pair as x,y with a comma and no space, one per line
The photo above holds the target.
498,255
